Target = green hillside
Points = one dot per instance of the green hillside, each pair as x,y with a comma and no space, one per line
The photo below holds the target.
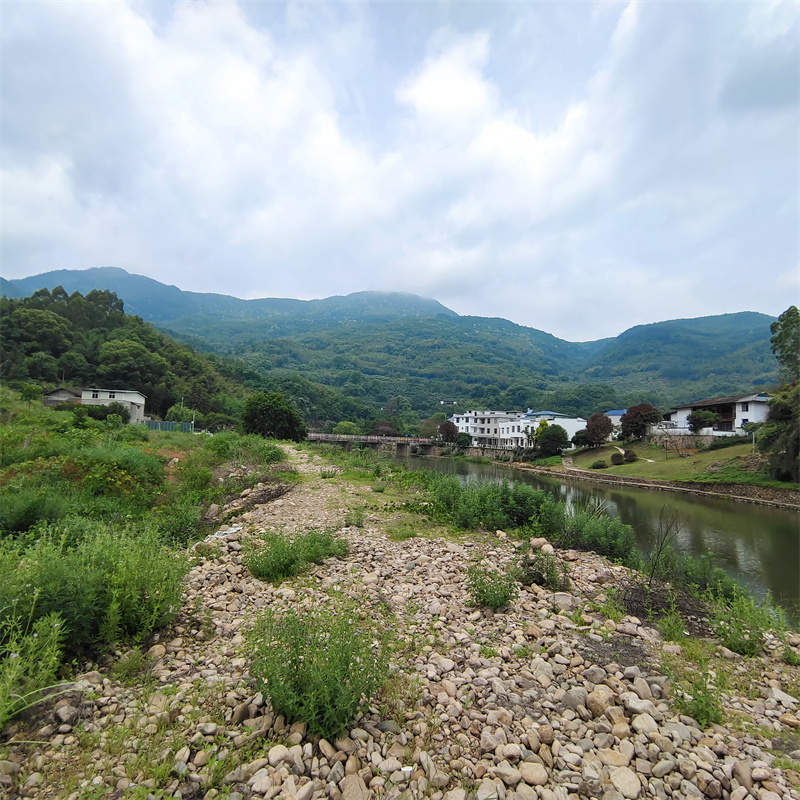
373,347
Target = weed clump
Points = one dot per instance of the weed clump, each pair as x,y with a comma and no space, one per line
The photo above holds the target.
543,569
491,588
276,557
321,666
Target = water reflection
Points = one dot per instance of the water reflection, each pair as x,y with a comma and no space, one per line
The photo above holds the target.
759,546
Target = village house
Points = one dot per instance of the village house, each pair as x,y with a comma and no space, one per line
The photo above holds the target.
61,395
733,414
131,400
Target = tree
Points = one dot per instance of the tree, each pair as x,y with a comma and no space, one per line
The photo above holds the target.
346,428
598,428
779,437
581,439
463,440
702,418
552,441
448,431
271,415
636,420
31,392
428,428
785,342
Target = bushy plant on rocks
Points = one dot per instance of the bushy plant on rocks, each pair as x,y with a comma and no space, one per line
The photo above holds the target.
321,666
277,557
491,587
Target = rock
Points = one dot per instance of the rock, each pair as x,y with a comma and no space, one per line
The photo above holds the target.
500,716
626,782
533,774
354,788
644,723
613,758
599,701
487,790
279,754
786,700
67,714
508,774
157,651
489,742
744,774
546,734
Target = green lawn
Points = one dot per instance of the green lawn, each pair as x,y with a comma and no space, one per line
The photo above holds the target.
695,466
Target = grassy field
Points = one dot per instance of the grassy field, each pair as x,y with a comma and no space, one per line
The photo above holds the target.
729,465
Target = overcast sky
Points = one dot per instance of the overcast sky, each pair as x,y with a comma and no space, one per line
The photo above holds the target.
577,167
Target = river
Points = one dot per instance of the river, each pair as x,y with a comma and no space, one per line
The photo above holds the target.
757,545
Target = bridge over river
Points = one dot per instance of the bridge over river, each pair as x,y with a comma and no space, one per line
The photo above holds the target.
401,444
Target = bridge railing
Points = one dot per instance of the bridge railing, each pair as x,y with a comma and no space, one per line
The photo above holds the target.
351,437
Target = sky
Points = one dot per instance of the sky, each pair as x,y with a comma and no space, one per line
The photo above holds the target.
576,167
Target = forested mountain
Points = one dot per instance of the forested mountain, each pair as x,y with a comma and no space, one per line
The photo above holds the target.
382,349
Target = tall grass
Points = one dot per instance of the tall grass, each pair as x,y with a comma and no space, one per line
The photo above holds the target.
108,584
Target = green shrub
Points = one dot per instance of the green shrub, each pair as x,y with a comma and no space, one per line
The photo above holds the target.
720,442
30,656
316,546
671,626
354,518
278,557
109,584
22,507
490,588
617,459
702,576
178,519
630,456
588,530
320,666
543,570
483,505
742,623
700,699
599,464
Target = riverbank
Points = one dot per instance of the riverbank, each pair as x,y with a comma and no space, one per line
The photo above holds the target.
746,493
553,698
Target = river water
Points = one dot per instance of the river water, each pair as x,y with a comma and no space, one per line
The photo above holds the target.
757,545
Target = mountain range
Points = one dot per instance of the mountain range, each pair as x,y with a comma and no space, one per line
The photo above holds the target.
378,345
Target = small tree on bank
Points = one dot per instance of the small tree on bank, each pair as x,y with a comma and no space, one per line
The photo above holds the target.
272,415
598,428
702,418
552,441
448,431
637,419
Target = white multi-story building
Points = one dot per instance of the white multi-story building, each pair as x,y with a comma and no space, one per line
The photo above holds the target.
733,413
510,429
484,426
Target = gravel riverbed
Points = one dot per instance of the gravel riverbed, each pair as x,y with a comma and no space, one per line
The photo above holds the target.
545,700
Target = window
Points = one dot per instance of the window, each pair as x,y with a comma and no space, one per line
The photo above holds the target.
95,395
745,407
745,421
112,395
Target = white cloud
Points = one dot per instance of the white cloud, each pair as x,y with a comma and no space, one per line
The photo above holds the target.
312,149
